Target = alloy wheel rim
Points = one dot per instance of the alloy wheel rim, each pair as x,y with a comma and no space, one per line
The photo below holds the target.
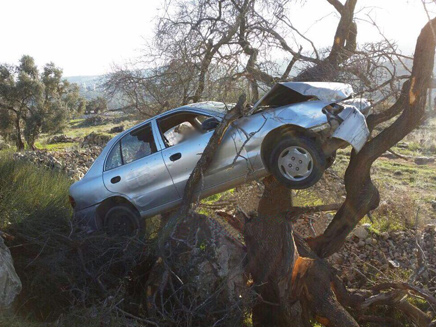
295,163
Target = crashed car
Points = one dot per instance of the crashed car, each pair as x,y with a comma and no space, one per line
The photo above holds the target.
292,132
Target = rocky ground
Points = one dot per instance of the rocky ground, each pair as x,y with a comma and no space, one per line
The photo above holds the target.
75,162
370,257
374,251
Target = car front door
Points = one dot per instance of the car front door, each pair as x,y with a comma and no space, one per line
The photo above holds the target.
135,168
182,156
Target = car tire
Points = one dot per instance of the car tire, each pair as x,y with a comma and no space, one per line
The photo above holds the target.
297,162
122,220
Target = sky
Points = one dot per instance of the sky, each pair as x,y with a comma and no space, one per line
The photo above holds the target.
87,37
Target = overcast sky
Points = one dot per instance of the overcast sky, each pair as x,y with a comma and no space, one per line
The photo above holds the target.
85,37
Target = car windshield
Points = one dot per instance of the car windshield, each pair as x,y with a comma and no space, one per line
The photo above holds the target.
220,107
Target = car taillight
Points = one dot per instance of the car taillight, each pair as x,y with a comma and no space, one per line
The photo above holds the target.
72,201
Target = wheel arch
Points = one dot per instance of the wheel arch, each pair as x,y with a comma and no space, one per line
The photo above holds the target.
109,203
274,135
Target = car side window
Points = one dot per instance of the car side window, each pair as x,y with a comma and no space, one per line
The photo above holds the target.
138,144
114,159
181,126
178,134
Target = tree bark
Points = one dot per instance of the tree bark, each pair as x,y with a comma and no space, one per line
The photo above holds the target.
271,255
362,195
344,44
287,270
19,141
280,272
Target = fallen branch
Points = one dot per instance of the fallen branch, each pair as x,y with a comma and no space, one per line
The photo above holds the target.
406,287
398,155
296,212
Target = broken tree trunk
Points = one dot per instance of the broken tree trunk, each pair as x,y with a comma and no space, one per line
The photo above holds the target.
271,256
280,273
287,270
362,195
282,278
202,165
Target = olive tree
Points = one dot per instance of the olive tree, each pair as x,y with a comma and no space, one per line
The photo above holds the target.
34,101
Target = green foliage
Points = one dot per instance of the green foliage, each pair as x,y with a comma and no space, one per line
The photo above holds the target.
59,265
27,191
32,102
96,105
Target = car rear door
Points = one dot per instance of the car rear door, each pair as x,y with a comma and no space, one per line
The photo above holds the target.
135,169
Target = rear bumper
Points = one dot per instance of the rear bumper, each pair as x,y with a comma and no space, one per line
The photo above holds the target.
87,218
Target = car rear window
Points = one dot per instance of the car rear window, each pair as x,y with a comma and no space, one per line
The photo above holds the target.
114,159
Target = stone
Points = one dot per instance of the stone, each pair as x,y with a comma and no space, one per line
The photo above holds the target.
394,263
61,139
402,145
424,160
10,284
71,162
337,259
95,139
385,235
116,129
361,244
361,232
389,155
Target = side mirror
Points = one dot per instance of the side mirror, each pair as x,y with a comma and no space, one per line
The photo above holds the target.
210,124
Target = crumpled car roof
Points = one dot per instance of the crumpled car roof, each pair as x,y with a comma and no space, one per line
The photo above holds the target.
293,92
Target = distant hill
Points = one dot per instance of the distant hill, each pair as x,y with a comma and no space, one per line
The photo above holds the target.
91,88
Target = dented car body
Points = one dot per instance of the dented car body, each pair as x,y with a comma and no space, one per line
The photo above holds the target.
292,133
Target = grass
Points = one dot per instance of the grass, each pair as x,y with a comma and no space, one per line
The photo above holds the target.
34,209
56,146
26,190
57,263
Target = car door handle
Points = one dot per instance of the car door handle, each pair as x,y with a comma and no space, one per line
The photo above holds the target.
115,179
175,156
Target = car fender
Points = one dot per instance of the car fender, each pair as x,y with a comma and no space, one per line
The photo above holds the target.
354,129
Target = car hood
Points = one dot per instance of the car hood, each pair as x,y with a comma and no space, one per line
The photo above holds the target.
286,93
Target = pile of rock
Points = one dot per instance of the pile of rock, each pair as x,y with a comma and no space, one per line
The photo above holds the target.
93,121
368,253
95,139
75,163
62,139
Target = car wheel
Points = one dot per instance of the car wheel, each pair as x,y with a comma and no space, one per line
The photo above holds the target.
297,162
123,221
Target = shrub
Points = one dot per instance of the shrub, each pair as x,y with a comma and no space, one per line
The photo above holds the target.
60,266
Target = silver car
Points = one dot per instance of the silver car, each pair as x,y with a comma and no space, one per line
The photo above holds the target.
292,133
